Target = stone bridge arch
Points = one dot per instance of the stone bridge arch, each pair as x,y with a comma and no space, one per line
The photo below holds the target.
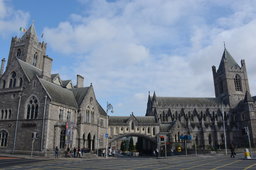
117,137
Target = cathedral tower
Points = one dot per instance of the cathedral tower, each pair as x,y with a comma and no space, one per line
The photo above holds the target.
230,80
28,49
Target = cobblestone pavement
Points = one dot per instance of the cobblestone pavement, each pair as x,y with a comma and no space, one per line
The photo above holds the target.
132,163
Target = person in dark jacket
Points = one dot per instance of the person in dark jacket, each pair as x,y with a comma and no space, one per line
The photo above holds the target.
232,150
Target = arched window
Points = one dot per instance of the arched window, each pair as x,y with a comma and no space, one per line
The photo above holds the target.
238,84
148,129
3,138
3,84
12,80
61,115
68,116
32,108
21,82
154,131
18,53
62,138
132,125
92,116
210,139
35,59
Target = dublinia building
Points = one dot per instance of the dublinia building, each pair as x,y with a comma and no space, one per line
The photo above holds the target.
35,101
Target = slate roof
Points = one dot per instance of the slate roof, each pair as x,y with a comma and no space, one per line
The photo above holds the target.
53,76
165,127
79,94
101,110
29,69
229,60
59,94
168,101
123,120
65,83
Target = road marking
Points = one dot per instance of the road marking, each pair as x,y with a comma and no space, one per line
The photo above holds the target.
202,164
177,165
226,164
249,166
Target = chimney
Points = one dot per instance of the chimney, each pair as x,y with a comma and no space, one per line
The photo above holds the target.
47,67
79,81
2,67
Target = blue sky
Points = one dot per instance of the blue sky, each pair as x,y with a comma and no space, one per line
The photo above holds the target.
126,48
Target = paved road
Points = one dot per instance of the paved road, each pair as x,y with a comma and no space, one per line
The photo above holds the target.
175,162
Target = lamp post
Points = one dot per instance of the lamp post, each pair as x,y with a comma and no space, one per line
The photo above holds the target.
224,128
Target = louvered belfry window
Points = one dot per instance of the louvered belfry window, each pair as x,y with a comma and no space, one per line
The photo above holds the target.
238,83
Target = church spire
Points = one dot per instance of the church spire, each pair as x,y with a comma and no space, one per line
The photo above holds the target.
227,59
31,32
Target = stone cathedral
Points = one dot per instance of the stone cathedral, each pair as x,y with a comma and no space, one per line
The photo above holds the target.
39,108
202,118
36,103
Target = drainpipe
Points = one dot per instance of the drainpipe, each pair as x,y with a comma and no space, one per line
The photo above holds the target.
16,127
42,138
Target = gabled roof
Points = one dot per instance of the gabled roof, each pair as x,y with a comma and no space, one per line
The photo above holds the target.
65,83
29,70
79,94
53,76
226,57
59,94
168,101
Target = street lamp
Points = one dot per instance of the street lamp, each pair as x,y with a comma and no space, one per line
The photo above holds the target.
224,128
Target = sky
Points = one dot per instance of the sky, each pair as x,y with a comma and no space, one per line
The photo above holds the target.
128,48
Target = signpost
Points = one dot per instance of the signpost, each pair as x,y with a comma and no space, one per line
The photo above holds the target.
185,138
106,136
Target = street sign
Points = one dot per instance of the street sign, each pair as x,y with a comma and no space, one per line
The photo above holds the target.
186,137
106,135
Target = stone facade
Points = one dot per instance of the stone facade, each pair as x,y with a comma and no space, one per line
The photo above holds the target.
202,118
34,100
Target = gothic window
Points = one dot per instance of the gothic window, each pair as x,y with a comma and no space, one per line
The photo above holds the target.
3,84
10,114
154,131
68,116
32,108
12,80
2,115
35,59
18,53
61,115
238,84
132,125
210,139
21,82
3,138
148,129
62,138
6,114
87,116
101,122
92,116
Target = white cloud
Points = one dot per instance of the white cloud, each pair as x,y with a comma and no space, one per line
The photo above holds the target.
10,19
127,48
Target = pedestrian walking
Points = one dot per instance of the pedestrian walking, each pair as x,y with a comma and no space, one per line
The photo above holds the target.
74,152
56,152
78,153
232,150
